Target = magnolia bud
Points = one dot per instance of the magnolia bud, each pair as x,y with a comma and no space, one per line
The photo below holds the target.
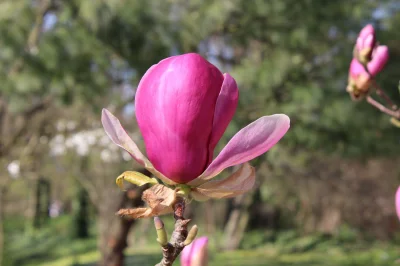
195,254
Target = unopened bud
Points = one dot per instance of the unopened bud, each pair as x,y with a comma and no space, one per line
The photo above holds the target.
380,56
196,254
162,237
365,44
191,235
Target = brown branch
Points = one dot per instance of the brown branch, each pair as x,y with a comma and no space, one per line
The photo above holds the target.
33,37
176,244
384,96
382,108
381,93
22,123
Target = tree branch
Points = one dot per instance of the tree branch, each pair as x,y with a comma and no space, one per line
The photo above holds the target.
177,242
382,108
22,124
384,96
33,37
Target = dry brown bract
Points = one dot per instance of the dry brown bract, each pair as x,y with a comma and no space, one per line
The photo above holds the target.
159,199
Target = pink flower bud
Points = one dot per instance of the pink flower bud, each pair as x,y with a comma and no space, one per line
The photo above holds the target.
380,56
195,254
359,77
183,106
366,42
397,202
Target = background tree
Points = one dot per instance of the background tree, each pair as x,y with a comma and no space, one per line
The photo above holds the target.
62,61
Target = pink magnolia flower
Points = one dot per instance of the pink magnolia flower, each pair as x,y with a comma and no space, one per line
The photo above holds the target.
365,44
359,77
183,106
195,254
397,202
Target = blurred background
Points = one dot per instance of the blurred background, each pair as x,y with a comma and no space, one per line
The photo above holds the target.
324,195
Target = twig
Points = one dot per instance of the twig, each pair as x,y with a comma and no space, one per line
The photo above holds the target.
380,92
384,96
180,236
382,108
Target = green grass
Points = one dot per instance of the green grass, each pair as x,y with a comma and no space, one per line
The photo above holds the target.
376,256
53,246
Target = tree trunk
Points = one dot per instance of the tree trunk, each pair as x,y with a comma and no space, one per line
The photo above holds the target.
81,214
2,194
237,222
42,202
117,244
114,230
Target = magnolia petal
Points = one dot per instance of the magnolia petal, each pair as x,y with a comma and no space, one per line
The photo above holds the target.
174,106
118,135
238,183
224,110
250,142
397,202
195,254
380,56
197,196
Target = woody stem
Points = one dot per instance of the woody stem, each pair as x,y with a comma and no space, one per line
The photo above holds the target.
384,96
382,108
176,244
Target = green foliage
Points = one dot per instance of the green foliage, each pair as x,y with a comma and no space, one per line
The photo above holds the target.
51,242
54,246
288,56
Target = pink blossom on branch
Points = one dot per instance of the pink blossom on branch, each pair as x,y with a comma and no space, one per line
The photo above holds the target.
397,202
380,56
360,77
183,106
365,44
195,254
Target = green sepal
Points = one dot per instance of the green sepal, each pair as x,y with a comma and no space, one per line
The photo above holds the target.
183,190
135,178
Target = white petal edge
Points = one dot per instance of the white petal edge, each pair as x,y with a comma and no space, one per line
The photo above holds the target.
238,183
118,135
250,142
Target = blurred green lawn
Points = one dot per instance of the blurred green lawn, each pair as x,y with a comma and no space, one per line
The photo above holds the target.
53,247
265,256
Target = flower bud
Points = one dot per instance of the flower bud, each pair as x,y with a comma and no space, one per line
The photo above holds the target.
365,44
196,254
397,202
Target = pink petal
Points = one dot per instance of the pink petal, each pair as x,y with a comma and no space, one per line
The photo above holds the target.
356,69
367,30
195,253
175,103
236,184
250,142
224,110
118,135
379,58
397,202
369,41
366,38
358,75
